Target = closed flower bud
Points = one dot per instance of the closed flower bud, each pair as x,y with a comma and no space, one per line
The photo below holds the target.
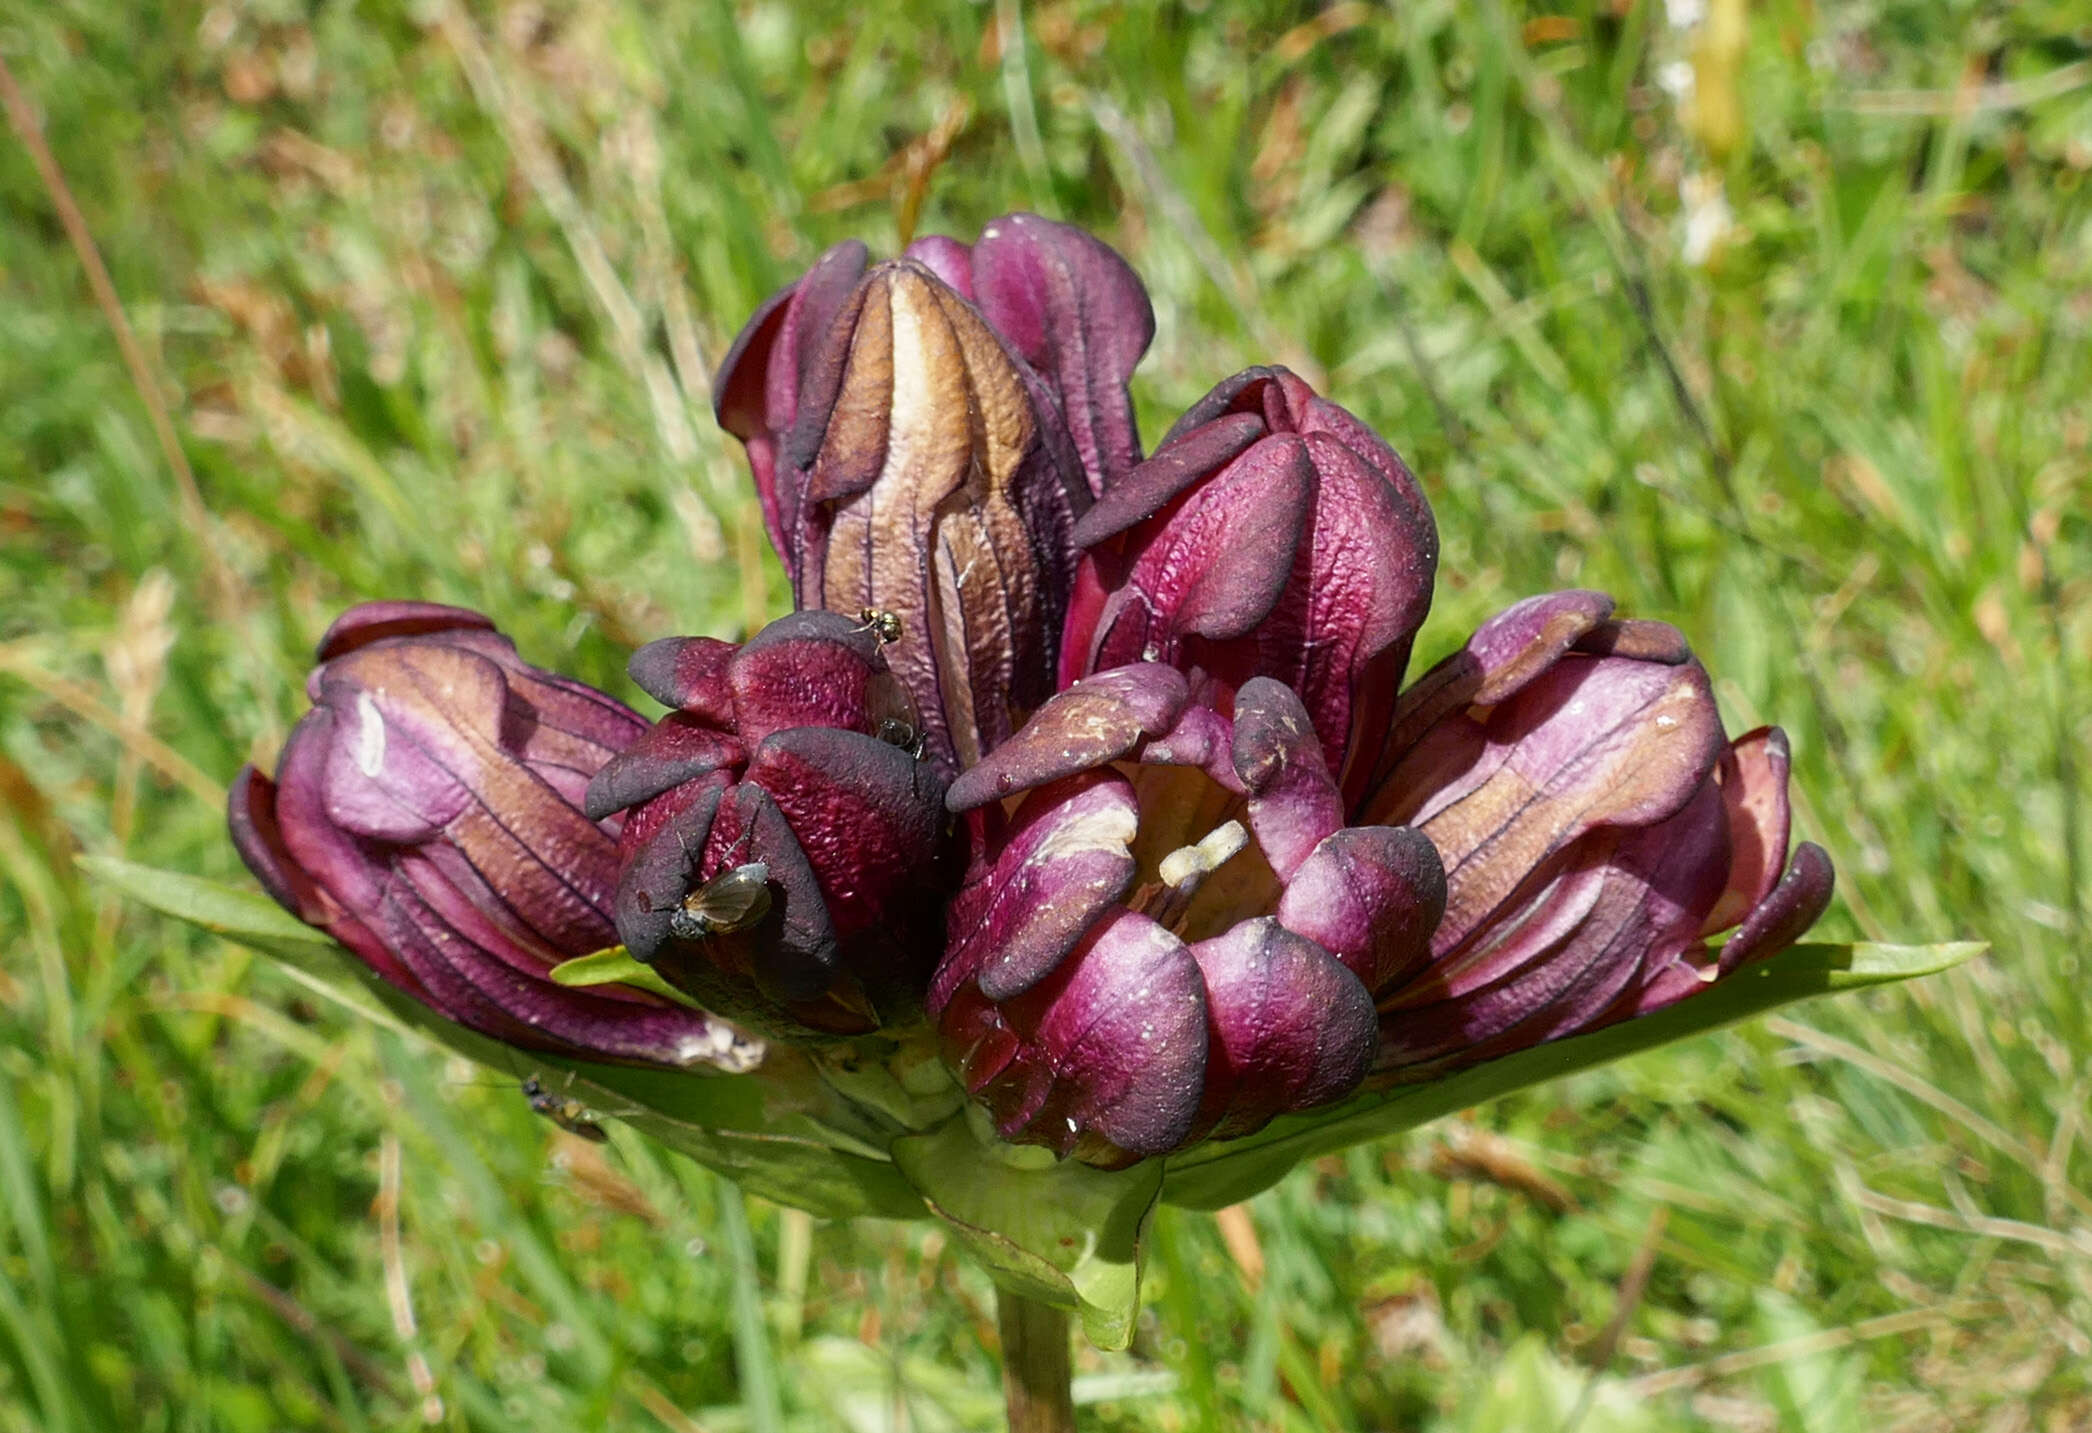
426,813
912,460
784,847
1270,534
1596,826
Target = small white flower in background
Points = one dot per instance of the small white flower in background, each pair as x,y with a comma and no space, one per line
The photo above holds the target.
1675,78
1684,14
1709,223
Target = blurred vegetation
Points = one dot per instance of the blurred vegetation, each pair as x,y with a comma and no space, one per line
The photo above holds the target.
1772,320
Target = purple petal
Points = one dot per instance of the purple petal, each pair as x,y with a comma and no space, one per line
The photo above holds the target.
1288,1027
1063,862
250,809
1218,564
1582,932
1784,916
1073,309
791,956
675,750
868,816
660,848
1293,803
1371,896
1753,775
1098,720
687,674
1104,1058
757,395
1505,653
1180,463
948,259
382,621
1589,742
811,669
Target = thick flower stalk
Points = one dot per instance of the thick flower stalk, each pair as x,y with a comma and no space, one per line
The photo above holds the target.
427,814
791,765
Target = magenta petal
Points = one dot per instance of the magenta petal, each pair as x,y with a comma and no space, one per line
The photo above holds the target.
868,816
1371,896
674,750
1060,866
1293,802
381,621
1098,720
1074,310
1784,916
1288,1027
688,674
807,669
1110,1049
1177,465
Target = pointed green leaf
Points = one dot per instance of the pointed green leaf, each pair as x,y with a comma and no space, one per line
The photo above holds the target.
246,916
1223,1172
1057,1231
617,966
782,1133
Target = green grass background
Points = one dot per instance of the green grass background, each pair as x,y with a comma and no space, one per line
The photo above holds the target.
430,289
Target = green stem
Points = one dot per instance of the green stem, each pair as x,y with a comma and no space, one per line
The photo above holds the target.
1035,1367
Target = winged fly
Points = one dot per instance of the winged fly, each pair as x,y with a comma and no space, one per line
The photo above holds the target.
884,626
905,735
732,900
563,1110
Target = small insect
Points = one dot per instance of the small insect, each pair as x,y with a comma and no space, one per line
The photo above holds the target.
884,626
566,1112
909,738
732,900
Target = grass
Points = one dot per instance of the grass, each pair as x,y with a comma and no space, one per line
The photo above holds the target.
1780,334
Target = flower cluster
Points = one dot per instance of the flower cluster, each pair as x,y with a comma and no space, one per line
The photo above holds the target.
1098,766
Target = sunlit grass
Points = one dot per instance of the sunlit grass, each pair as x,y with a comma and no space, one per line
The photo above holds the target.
431,290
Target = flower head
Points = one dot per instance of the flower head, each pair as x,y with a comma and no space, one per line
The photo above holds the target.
913,460
790,765
426,813
1597,828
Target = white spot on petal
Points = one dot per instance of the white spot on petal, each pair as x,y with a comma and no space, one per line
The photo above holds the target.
370,735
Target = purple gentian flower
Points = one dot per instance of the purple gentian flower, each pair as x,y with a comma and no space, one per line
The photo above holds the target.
427,814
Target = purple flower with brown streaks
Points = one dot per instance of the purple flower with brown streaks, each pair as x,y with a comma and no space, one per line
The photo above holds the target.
791,765
924,432
426,813
1597,829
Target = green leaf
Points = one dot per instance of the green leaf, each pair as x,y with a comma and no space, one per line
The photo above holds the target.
782,1133
1057,1231
242,915
1224,1172
617,966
